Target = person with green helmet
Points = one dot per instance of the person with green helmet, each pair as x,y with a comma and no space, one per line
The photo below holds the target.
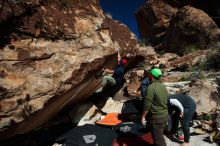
155,105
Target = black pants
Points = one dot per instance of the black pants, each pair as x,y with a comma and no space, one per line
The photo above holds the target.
185,121
158,126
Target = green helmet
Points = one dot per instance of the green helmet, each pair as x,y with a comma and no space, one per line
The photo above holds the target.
156,72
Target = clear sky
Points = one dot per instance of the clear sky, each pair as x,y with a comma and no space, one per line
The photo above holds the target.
123,10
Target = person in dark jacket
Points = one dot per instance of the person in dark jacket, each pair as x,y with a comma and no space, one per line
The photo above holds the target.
118,75
155,103
181,108
145,83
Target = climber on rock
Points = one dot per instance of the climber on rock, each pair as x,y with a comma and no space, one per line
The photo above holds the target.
118,75
145,83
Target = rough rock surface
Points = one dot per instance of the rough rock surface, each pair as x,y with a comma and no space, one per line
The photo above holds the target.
186,62
16,8
153,19
172,26
209,7
50,56
174,76
146,51
204,92
177,87
147,56
191,26
135,82
172,61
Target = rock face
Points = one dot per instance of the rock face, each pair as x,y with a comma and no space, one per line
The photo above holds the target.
171,61
147,51
49,58
209,7
187,62
153,19
173,26
204,92
133,87
191,26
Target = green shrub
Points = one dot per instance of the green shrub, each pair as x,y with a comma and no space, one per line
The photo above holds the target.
207,117
213,60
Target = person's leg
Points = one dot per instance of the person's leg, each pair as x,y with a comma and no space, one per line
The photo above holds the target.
158,127
186,129
175,122
188,114
106,80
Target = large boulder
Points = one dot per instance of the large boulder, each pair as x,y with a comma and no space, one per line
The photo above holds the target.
171,26
146,51
51,57
209,7
191,27
204,92
153,19
15,8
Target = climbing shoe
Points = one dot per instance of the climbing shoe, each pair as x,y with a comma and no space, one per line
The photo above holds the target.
179,136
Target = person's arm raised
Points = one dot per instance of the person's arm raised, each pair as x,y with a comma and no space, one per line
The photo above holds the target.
119,56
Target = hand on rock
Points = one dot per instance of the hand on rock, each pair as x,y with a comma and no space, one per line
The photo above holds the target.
143,121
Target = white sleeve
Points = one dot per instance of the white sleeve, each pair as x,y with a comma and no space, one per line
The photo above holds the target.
176,103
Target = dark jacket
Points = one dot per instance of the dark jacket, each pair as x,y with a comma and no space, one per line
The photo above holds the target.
118,74
144,84
186,102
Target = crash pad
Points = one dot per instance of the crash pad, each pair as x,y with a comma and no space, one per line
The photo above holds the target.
111,119
132,134
88,135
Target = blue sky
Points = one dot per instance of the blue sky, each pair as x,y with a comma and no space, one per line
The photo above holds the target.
123,10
